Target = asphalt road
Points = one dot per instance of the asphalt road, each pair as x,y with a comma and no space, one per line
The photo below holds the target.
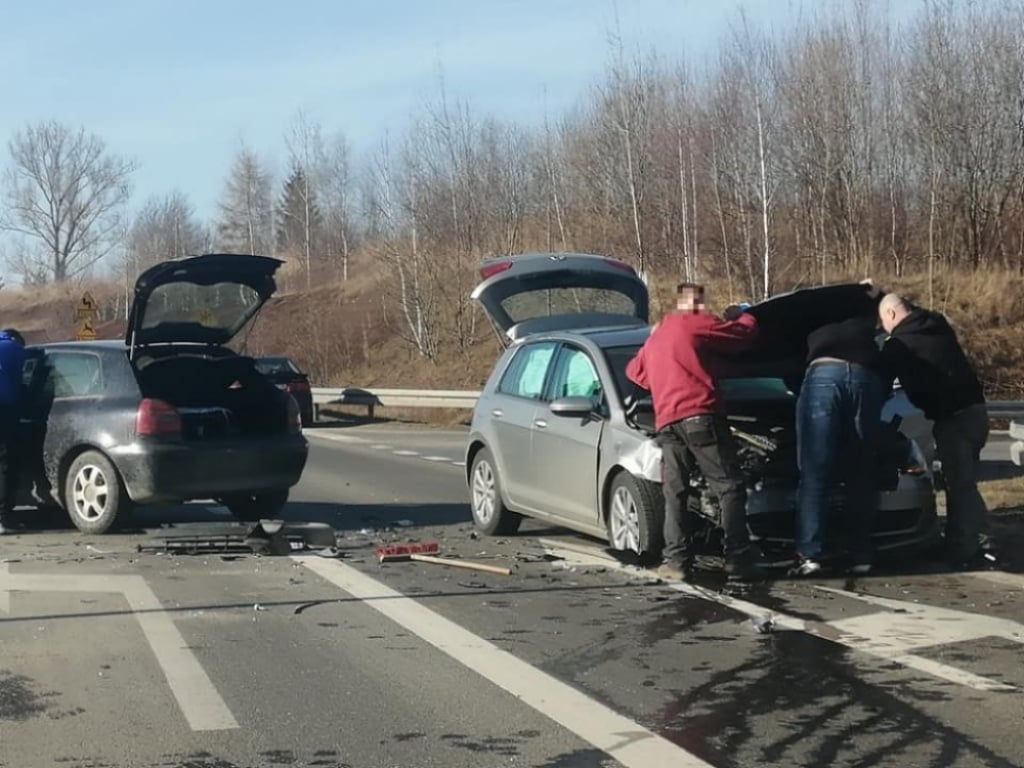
111,657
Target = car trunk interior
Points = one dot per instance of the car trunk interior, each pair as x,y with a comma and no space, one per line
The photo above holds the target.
216,396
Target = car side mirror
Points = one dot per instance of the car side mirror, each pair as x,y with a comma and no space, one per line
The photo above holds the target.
572,406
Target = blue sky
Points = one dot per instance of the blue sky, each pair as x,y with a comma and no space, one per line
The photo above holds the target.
176,84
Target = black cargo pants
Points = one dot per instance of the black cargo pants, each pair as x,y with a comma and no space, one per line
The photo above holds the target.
702,442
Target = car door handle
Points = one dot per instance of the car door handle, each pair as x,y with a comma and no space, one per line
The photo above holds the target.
497,412
540,423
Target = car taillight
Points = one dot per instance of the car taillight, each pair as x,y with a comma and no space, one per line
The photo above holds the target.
297,386
156,417
914,470
294,416
493,268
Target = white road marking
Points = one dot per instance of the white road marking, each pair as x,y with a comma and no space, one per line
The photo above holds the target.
625,740
335,437
197,697
871,634
436,458
458,463
381,447
406,453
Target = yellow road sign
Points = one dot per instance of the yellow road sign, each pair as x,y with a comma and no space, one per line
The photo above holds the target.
87,308
86,332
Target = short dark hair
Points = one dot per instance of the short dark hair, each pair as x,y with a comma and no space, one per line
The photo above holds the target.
13,334
696,288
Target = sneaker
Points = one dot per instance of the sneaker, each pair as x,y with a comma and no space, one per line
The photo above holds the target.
675,571
747,563
806,567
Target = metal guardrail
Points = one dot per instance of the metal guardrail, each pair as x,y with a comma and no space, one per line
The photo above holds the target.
466,399
395,398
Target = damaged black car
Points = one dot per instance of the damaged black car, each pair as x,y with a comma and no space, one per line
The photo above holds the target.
169,415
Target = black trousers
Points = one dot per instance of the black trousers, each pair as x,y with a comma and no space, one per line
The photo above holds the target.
703,442
8,475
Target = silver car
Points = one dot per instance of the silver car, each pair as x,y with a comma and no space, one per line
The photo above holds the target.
560,434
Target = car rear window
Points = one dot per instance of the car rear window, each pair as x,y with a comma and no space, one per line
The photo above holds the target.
566,301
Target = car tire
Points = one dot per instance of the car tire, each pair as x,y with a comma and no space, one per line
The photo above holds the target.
635,517
253,507
94,496
490,515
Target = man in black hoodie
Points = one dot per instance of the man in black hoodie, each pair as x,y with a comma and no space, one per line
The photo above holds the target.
923,352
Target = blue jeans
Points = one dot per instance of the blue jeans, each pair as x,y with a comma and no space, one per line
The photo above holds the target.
838,423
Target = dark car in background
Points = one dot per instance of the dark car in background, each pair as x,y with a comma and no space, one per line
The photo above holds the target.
170,414
286,375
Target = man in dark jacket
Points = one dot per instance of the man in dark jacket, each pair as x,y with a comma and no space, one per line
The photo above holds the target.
676,366
12,361
923,352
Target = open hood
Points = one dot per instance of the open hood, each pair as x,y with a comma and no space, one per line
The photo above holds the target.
786,320
200,300
538,292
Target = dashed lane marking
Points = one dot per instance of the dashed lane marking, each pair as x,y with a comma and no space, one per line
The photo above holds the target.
435,458
628,742
889,635
406,453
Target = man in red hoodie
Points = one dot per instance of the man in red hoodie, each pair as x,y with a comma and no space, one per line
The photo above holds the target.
675,365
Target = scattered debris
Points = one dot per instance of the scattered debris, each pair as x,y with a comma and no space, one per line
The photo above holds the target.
266,537
472,584
426,553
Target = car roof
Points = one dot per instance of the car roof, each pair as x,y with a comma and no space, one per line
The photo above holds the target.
105,344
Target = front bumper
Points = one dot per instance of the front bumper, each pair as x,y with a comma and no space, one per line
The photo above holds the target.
906,516
163,472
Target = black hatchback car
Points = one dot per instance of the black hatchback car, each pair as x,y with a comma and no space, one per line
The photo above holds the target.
169,415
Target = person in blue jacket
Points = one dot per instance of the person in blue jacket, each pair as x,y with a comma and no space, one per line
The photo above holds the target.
12,389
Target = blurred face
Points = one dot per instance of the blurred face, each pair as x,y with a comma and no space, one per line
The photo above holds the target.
691,300
889,317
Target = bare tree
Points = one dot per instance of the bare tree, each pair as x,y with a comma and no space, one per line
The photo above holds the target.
66,191
164,228
305,148
246,212
335,179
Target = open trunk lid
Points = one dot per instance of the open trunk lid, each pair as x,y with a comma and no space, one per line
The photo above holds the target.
538,292
204,299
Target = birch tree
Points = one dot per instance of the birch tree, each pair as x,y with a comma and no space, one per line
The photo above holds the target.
65,192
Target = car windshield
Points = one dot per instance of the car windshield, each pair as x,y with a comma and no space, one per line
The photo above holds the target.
753,388
618,358
274,365
548,302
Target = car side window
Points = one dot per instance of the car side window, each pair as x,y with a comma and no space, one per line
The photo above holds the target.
576,376
75,374
525,375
